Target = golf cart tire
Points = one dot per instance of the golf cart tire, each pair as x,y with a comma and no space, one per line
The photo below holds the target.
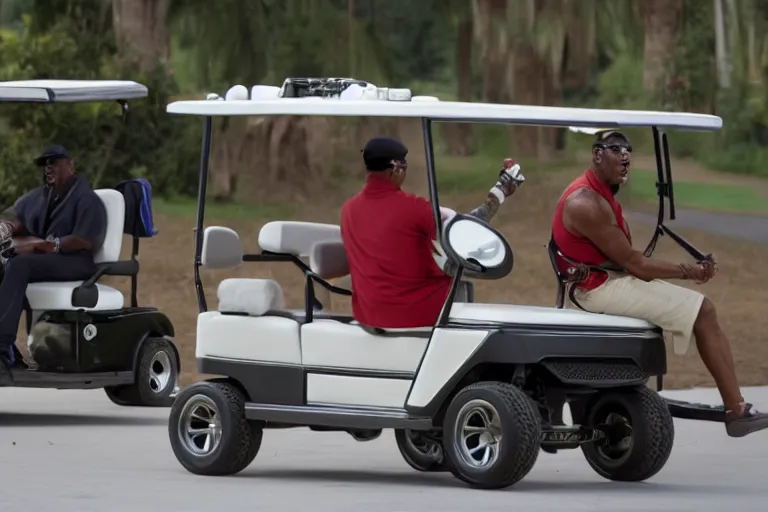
520,431
142,392
240,439
417,459
653,434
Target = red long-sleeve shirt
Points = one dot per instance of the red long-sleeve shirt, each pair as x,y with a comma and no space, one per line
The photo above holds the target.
387,235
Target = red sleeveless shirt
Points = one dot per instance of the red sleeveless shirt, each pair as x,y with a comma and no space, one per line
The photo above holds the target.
579,248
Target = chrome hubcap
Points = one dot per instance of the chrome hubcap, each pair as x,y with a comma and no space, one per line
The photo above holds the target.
160,372
200,426
477,435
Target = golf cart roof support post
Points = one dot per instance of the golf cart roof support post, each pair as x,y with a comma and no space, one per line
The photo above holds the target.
202,187
429,152
445,313
660,174
668,167
660,192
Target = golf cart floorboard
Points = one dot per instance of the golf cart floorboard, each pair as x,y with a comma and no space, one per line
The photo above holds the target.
340,416
694,411
24,378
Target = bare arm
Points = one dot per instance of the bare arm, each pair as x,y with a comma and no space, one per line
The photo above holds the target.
595,223
510,179
487,210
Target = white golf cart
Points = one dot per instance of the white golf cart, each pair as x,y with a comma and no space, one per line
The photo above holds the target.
478,394
81,334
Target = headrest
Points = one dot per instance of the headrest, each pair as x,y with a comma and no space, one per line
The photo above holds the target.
296,238
328,260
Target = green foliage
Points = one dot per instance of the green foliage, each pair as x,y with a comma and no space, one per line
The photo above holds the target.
152,144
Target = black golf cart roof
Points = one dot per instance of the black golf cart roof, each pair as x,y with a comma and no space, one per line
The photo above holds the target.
53,91
429,107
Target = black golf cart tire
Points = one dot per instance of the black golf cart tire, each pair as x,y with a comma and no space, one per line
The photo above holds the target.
240,438
521,435
653,434
415,459
140,393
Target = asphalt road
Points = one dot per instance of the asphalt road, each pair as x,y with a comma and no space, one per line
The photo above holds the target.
746,227
69,451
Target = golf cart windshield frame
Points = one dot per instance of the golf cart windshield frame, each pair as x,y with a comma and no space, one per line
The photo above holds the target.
84,91
437,111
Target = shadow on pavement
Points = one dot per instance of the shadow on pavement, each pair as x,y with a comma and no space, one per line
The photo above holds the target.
26,419
447,480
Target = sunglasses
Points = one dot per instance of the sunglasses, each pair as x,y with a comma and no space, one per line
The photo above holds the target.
50,161
616,148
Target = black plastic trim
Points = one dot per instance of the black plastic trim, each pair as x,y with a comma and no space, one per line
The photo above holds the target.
336,416
263,382
527,346
54,380
360,372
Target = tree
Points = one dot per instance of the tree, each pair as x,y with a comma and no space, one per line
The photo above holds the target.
663,20
142,33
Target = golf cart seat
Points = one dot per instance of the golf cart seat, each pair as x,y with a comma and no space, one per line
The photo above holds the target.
248,306
72,295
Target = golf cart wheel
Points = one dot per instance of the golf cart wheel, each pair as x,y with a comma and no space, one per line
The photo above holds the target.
491,435
156,377
421,452
209,432
640,433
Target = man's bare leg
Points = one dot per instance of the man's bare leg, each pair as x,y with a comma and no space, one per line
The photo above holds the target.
715,351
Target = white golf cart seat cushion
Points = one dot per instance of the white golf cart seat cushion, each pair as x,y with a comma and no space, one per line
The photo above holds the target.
263,339
250,296
539,315
297,238
58,295
222,248
330,343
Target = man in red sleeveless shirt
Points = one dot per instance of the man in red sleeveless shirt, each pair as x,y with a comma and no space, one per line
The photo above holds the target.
388,237
589,228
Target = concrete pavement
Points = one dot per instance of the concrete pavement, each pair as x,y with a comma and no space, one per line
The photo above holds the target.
75,451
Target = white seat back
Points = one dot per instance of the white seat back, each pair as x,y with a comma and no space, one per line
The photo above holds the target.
114,203
297,238
222,248
329,260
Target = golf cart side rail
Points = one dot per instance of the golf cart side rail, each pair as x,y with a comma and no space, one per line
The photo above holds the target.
430,109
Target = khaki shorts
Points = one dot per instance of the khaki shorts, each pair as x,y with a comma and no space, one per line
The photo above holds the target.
671,307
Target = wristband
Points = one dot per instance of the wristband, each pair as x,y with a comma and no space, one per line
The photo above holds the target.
497,193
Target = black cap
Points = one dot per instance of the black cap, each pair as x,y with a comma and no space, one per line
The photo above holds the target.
608,134
54,151
380,151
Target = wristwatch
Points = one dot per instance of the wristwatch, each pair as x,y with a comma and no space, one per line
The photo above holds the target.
56,244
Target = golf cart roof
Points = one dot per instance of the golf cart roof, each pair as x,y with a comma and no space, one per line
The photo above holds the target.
51,91
449,111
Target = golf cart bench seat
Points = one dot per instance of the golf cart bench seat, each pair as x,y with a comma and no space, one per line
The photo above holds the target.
254,310
67,295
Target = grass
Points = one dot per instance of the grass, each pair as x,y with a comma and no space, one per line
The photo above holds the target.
187,208
702,196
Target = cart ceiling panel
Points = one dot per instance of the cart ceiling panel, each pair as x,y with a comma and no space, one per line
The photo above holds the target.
448,111
71,90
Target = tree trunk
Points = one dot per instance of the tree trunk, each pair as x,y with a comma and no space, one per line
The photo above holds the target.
663,21
460,134
141,31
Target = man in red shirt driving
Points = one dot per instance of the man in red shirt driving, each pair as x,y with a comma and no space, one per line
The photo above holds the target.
388,237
